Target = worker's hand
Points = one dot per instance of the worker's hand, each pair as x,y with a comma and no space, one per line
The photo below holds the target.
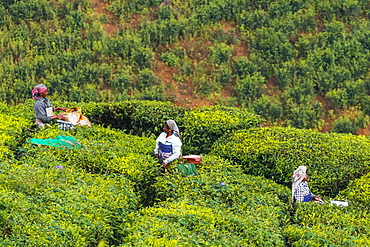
318,199
165,165
61,117
60,108
157,156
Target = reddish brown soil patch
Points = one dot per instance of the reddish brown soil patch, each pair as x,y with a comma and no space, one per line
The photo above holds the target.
113,21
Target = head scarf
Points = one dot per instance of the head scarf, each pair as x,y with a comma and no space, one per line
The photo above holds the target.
173,126
298,175
39,89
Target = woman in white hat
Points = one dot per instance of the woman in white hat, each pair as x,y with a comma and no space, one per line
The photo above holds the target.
300,190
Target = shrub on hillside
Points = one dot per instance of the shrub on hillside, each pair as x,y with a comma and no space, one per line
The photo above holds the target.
12,132
358,192
103,151
47,207
170,59
185,224
328,225
332,159
137,117
220,206
344,125
205,125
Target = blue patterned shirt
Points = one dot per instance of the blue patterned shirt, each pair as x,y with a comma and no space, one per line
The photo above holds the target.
303,193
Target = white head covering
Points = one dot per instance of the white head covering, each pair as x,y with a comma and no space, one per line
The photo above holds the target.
173,126
298,175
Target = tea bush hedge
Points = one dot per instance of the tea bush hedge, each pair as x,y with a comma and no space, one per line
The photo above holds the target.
221,184
24,110
103,151
43,206
12,133
109,191
221,206
328,225
358,192
185,224
137,117
203,126
332,159
199,127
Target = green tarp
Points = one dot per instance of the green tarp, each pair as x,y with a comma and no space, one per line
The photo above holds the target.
187,169
59,141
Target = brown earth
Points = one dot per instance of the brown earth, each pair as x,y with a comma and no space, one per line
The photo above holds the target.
182,94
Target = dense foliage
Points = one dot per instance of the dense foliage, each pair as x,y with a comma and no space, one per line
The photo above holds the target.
108,191
294,62
327,225
332,159
199,127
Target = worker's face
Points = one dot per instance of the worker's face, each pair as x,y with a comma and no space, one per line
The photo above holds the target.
305,178
43,95
166,129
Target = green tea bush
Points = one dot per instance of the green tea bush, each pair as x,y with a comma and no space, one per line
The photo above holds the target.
250,87
137,117
24,110
203,126
199,128
43,206
225,75
269,108
328,225
357,192
221,184
12,133
220,206
303,115
170,59
220,54
103,151
184,224
207,86
146,79
344,125
351,120
332,159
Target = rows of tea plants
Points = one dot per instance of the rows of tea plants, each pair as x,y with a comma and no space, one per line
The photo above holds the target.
49,199
332,159
109,191
199,127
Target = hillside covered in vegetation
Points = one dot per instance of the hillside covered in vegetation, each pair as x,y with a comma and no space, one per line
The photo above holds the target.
297,63
257,88
108,191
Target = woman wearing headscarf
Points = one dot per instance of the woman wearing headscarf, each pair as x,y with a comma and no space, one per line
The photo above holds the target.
43,110
168,144
300,190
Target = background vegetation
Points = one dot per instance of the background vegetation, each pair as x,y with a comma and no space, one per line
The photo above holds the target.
297,63
300,66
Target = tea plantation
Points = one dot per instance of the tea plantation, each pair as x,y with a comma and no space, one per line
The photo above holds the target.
109,192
